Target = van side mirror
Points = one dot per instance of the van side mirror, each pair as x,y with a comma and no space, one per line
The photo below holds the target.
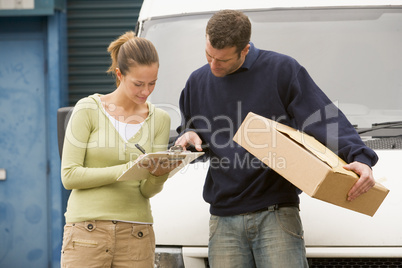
63,115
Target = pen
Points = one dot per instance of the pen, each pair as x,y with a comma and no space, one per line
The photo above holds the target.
140,148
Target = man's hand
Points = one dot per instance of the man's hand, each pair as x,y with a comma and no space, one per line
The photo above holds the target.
365,182
190,138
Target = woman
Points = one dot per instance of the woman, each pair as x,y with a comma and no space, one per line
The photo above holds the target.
109,223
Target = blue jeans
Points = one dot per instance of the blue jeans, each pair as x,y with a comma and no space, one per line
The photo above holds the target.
272,238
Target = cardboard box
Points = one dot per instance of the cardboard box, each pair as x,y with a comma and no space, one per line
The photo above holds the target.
306,163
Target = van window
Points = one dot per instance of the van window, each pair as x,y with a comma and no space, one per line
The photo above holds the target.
354,55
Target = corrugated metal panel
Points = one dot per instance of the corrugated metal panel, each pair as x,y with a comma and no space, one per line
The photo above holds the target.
92,25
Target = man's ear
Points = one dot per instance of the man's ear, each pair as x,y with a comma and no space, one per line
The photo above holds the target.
245,50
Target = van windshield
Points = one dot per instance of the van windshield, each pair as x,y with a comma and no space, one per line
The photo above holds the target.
354,55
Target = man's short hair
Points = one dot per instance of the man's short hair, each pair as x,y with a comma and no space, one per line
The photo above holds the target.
229,28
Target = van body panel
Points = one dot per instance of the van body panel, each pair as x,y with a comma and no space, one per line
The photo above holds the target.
352,51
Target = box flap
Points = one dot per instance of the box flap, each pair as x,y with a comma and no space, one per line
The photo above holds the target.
316,148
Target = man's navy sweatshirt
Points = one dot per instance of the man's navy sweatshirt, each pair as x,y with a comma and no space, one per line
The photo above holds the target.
275,86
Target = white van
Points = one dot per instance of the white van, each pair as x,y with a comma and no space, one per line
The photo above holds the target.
353,50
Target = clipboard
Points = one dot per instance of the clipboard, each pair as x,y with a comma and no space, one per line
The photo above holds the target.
173,154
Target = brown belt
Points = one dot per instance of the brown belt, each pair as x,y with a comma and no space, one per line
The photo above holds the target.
274,207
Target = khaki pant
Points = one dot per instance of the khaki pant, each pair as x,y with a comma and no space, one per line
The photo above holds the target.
108,244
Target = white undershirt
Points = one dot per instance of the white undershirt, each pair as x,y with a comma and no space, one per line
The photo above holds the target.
125,130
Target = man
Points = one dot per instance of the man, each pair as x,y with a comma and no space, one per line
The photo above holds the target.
255,219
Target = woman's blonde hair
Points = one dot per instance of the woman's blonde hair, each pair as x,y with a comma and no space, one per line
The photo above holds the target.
129,50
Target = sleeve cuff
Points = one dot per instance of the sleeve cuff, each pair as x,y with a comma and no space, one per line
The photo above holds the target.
364,159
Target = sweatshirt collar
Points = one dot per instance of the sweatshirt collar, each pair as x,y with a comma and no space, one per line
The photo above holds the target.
250,59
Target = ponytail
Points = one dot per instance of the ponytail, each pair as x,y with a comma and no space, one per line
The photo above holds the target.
129,50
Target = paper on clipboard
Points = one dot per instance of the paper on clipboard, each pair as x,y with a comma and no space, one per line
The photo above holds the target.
137,171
